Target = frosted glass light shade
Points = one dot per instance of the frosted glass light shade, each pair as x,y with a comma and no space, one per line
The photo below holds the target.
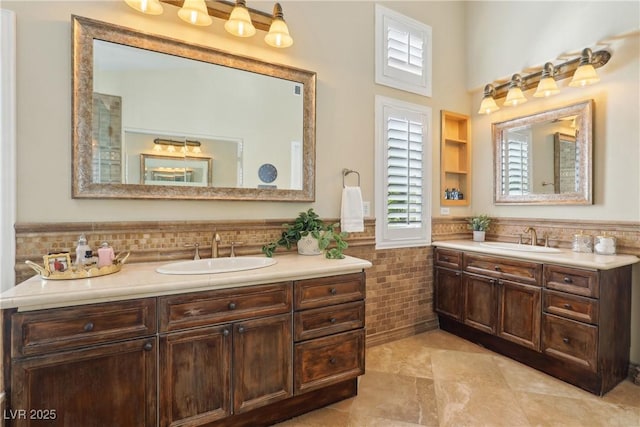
584,75
488,105
195,12
278,35
150,7
546,87
515,97
239,22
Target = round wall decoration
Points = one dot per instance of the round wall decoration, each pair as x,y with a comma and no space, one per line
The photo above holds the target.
267,173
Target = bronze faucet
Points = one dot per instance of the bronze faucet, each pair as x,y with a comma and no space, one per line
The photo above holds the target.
533,236
214,245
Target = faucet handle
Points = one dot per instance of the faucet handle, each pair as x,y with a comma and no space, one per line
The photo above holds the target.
194,245
233,245
519,238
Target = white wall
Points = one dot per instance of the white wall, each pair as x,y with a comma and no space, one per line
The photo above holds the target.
334,39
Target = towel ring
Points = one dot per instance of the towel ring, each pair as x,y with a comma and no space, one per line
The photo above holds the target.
346,172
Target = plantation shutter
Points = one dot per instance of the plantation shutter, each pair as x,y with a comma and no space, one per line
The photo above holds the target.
515,176
404,49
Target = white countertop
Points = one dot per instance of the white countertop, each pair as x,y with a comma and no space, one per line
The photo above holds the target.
564,257
141,280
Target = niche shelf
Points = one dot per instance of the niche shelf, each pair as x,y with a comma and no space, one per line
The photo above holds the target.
455,158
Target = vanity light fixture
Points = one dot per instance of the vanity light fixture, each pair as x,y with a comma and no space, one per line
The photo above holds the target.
547,86
278,35
171,145
515,95
240,20
586,73
582,69
150,7
488,104
195,12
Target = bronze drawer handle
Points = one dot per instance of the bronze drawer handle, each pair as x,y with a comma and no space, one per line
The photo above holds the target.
148,346
232,306
568,306
496,268
445,258
333,320
88,327
567,279
332,360
566,340
333,291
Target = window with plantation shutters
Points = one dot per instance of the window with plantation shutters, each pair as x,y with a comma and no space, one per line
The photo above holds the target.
403,52
403,165
516,169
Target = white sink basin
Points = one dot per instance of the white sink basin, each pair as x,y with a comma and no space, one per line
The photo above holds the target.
519,247
216,265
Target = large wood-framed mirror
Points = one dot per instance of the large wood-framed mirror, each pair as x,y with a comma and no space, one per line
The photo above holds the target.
138,94
545,158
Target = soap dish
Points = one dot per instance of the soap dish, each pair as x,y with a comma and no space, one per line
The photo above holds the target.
70,272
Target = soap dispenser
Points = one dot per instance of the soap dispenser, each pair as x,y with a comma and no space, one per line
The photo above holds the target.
105,255
81,250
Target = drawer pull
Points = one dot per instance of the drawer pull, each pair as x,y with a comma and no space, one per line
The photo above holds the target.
496,268
333,291
147,346
232,306
88,327
567,279
445,258
332,360
567,306
241,330
566,340
333,320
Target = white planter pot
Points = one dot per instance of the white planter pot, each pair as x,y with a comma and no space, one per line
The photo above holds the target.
478,236
308,245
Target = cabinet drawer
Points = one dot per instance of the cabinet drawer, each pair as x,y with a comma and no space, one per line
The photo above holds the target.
571,341
511,269
572,280
51,330
224,305
319,322
324,291
448,258
329,360
571,306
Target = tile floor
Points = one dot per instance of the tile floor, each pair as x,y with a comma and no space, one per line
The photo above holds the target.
438,379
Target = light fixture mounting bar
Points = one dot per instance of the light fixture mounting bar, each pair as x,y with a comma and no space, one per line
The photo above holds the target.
222,9
188,142
562,71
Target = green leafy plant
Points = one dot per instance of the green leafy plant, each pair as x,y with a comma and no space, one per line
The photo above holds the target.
310,223
479,222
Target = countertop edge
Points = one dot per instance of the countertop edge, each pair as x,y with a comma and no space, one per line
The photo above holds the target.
564,257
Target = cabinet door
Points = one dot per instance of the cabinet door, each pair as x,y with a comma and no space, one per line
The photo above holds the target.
195,376
480,302
110,385
448,293
520,313
262,366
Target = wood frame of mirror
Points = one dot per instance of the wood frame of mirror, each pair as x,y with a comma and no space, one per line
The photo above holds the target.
584,143
85,30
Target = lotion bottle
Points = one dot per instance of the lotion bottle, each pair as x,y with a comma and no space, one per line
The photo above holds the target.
105,255
81,250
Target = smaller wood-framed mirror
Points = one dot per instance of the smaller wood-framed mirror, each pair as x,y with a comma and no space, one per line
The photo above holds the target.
545,158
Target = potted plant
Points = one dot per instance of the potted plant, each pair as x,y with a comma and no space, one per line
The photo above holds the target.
479,224
311,236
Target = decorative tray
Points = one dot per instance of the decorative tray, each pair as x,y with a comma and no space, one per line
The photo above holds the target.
58,267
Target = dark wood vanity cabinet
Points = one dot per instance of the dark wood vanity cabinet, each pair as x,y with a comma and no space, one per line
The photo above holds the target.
84,366
573,323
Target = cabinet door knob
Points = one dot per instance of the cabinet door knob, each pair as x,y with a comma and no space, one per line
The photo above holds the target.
492,282
567,279
88,327
333,291
565,340
457,274
333,320
225,332
232,306
148,346
241,330
332,360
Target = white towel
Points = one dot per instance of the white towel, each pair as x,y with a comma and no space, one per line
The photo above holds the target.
351,216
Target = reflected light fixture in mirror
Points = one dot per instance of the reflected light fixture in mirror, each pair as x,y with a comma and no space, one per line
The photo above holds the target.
547,86
195,12
515,95
239,22
150,7
585,74
488,104
278,35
